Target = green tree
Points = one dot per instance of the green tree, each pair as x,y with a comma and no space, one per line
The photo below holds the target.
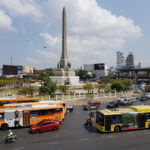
27,91
11,81
89,87
99,87
40,74
83,75
107,89
105,81
127,83
63,88
3,83
117,85
48,87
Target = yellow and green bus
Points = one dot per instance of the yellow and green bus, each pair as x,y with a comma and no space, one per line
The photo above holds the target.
116,120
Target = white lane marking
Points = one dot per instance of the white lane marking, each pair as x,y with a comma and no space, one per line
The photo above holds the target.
54,143
19,148
83,139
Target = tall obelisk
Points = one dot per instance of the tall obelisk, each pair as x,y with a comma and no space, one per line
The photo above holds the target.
64,74
64,61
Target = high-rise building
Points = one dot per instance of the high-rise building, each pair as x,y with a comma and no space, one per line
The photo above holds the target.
120,59
99,69
139,65
130,60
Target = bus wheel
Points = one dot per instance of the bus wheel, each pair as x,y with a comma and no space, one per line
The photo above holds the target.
4,126
117,129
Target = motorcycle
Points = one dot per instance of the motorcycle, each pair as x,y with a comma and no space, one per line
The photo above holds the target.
8,140
89,123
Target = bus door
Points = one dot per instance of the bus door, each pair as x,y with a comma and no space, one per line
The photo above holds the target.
26,118
14,118
141,120
108,122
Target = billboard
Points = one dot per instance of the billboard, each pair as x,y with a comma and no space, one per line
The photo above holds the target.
20,69
15,70
27,70
10,70
100,66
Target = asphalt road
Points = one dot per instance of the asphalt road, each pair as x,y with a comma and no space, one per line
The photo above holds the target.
74,136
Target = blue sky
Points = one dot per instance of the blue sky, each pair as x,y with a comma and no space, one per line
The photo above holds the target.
139,12
96,30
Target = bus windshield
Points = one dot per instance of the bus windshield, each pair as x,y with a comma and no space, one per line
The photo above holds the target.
100,118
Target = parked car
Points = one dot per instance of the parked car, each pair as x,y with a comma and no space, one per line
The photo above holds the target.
127,101
147,95
133,98
121,98
44,125
119,102
69,109
143,98
112,105
91,105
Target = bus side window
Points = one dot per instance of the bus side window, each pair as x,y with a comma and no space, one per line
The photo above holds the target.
57,110
34,113
116,119
46,112
148,117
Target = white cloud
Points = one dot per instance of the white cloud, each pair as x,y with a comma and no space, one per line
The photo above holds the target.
48,58
5,22
33,61
94,33
51,41
27,8
85,17
47,54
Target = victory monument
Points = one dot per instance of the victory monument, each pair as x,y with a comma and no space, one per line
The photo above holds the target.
64,74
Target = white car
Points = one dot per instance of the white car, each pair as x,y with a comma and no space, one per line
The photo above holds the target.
133,98
147,95
122,98
127,101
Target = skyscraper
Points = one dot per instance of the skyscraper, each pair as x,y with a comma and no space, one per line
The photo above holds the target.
130,60
120,59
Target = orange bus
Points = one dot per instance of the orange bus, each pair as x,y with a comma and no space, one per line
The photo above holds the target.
58,102
26,116
18,100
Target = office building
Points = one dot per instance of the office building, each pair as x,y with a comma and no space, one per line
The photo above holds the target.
120,59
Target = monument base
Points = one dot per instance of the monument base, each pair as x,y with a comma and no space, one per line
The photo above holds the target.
64,80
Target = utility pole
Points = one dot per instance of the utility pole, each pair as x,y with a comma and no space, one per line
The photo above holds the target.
11,60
